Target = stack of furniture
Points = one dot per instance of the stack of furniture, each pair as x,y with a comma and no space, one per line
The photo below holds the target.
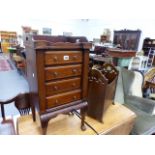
57,73
147,44
7,39
127,41
150,60
149,83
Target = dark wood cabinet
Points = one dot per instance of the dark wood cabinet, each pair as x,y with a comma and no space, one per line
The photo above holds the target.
147,44
127,39
149,48
58,77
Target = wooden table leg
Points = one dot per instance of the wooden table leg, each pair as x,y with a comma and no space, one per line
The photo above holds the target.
33,112
3,111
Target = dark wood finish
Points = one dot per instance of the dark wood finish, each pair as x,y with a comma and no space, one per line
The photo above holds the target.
63,98
148,44
62,86
60,57
22,103
118,53
60,72
85,75
57,75
102,84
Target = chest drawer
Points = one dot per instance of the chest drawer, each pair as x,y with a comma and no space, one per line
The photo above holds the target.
62,86
63,57
63,98
62,71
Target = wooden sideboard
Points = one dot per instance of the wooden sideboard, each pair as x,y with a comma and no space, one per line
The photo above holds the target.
58,77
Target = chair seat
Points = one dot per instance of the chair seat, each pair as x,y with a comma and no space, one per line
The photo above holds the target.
131,84
152,96
144,124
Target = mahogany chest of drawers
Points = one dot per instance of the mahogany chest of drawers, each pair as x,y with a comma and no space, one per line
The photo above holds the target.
58,77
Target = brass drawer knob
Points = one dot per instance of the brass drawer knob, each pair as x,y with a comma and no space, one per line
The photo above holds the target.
74,97
56,101
55,58
74,71
55,74
73,84
55,88
75,57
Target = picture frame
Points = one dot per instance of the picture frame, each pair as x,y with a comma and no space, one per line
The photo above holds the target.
47,31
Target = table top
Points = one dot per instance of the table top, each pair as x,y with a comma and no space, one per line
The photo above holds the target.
118,120
119,53
12,83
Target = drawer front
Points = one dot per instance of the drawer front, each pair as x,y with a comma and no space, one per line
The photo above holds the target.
62,86
63,98
61,57
52,73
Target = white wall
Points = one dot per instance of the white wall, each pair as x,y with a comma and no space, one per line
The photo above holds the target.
94,28
65,16
91,28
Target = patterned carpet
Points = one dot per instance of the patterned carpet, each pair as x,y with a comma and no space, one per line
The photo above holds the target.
5,64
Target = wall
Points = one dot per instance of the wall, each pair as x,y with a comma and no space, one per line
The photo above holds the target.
116,15
94,28
91,28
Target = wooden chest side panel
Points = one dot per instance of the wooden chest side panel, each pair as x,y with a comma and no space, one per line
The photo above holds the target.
41,79
85,74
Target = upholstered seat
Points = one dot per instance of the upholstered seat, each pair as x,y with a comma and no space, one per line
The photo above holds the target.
129,93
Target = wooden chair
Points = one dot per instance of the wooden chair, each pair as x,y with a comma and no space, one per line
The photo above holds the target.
149,83
22,103
129,93
23,106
